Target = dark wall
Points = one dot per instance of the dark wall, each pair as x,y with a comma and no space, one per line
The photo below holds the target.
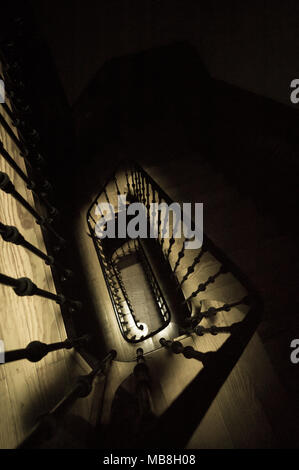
252,44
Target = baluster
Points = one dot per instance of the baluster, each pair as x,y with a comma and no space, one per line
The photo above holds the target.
98,205
212,311
25,287
127,180
7,186
188,351
214,329
116,184
164,230
159,218
202,287
36,350
11,134
147,198
107,199
6,107
137,183
181,255
14,165
171,242
172,239
143,189
21,145
129,248
91,217
133,182
153,212
139,186
123,251
191,268
30,184
12,235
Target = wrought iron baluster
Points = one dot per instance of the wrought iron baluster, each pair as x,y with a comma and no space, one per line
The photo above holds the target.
202,287
25,287
147,197
152,214
11,134
164,230
127,180
181,255
191,268
188,351
129,248
171,242
7,108
108,200
36,350
212,311
143,189
12,235
138,184
7,186
91,217
159,219
172,238
214,329
136,245
30,184
23,145
98,207
133,181
123,251
116,184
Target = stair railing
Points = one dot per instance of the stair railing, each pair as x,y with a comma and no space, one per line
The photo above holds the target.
15,120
